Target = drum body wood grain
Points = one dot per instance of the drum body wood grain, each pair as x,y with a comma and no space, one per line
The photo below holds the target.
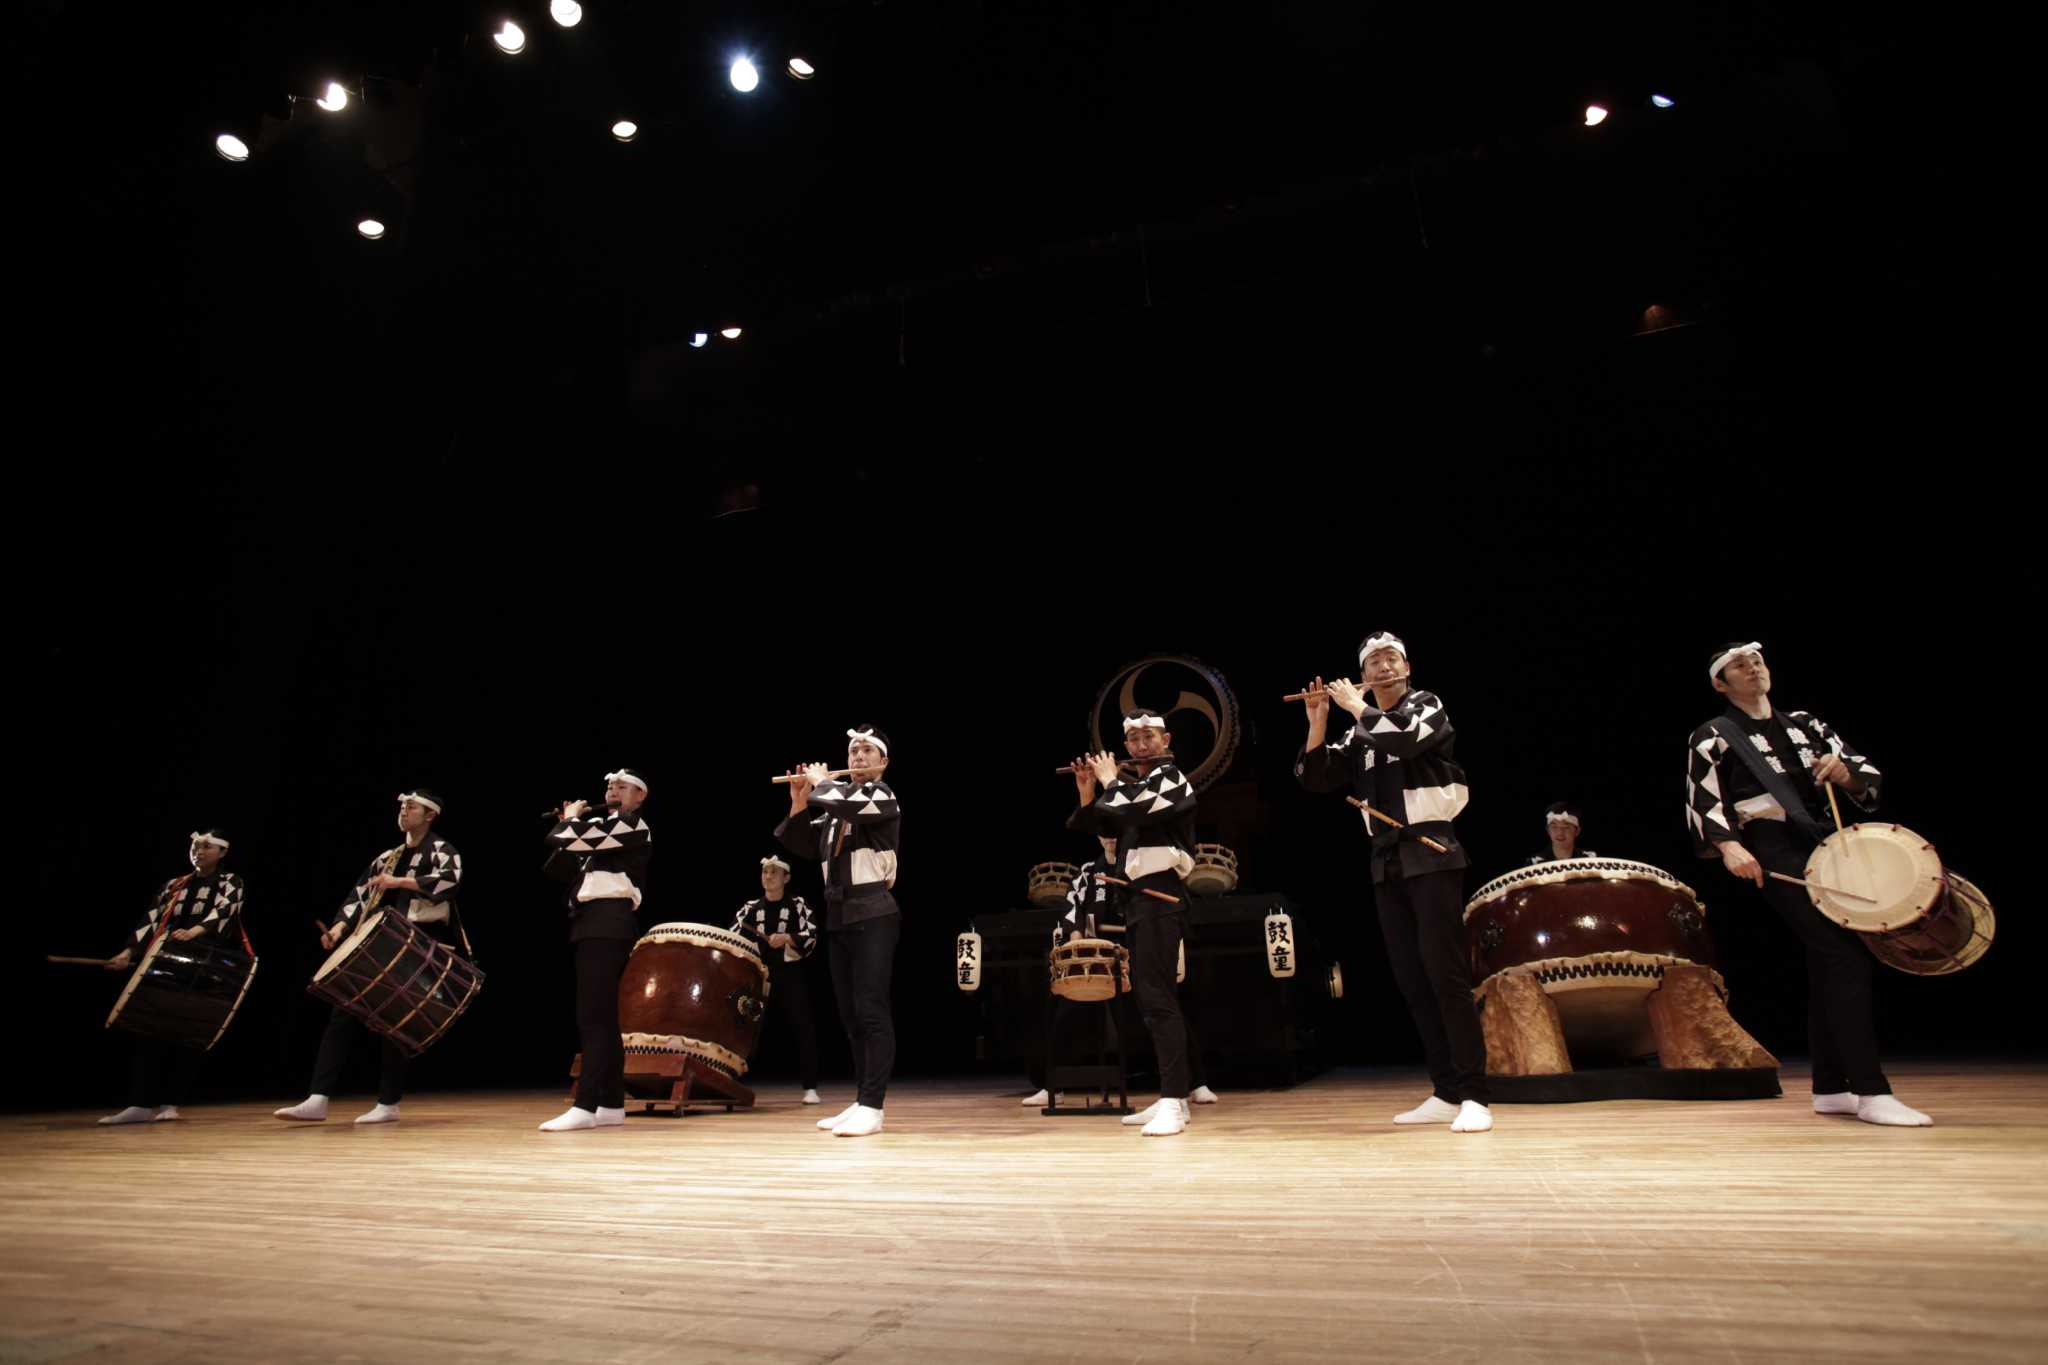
693,989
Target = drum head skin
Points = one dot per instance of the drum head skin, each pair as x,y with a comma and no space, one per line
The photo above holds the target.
1895,868
348,945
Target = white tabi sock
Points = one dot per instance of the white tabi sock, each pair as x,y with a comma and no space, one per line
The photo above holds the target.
167,1114
811,1097
860,1123
611,1118
134,1113
1890,1111
1431,1110
1473,1117
1143,1116
1840,1102
383,1113
312,1109
1037,1099
1170,1117
829,1124
570,1120
1201,1094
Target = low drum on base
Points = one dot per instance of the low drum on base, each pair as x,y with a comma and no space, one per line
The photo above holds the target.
1047,885
1090,969
1214,872
691,1002
1604,960
186,993
401,982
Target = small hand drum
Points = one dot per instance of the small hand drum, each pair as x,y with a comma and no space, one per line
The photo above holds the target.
1913,913
1090,969
1047,886
1214,872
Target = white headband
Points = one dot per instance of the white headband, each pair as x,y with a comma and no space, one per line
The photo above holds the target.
429,802
1144,723
1380,641
772,861
623,776
854,737
1721,660
213,839
1562,818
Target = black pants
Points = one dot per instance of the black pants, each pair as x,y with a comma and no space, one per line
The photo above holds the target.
863,958
1153,932
601,1081
1841,1025
163,1072
789,998
1076,1030
338,1044
1422,922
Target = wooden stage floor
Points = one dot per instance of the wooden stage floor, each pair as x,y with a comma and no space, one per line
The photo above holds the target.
1294,1225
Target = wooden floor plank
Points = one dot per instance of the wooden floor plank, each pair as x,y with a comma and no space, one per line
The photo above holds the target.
1283,1226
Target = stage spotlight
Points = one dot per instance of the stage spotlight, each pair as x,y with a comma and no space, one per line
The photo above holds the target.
625,130
697,339
567,13
511,39
730,333
744,77
1662,101
335,100
1595,116
231,148
801,69
370,228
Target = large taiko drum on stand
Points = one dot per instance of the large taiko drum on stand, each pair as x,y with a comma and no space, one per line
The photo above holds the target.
1597,934
691,1003
184,992
1887,883
399,981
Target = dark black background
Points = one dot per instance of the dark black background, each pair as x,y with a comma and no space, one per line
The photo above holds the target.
1072,334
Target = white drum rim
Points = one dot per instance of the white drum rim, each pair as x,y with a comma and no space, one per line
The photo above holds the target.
1828,865
1645,981
723,1059
1563,870
702,936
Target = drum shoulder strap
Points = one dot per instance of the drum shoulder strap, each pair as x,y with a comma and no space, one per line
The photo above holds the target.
1778,784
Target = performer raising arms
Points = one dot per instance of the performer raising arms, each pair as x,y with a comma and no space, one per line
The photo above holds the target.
852,829
1151,816
1760,814
204,903
781,924
1396,759
603,857
418,879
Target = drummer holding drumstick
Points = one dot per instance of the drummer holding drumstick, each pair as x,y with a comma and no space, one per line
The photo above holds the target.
203,903
417,879
1755,779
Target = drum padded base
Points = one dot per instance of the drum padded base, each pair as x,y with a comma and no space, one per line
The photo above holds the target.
1524,1036
1693,1028
1637,1083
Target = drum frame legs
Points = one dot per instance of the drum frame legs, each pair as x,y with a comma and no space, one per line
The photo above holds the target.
692,1084
1087,1079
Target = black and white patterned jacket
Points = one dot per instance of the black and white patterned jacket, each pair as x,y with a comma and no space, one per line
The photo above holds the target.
1152,820
1713,820
1398,761
434,864
761,917
852,830
211,903
1086,895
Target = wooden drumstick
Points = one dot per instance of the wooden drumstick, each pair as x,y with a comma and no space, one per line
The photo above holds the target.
1816,886
1833,809
1392,823
78,961
1155,895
